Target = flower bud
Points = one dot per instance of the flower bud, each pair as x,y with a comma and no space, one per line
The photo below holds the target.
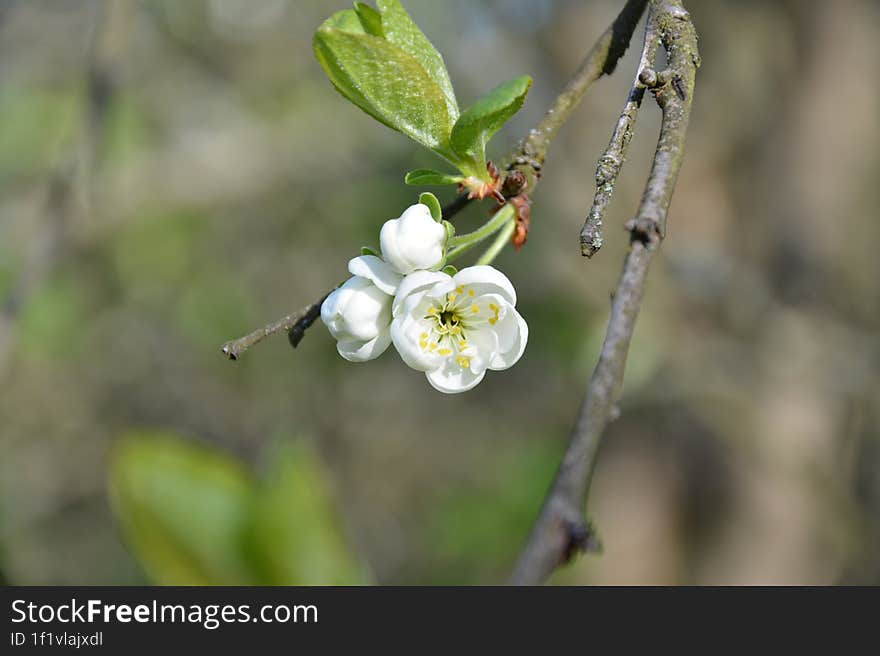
413,242
358,316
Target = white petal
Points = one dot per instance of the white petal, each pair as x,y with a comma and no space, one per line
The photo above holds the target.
405,334
482,347
414,241
355,351
452,379
331,311
485,279
513,333
368,313
357,311
418,282
376,270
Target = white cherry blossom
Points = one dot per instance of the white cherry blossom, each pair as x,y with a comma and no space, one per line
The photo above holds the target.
454,328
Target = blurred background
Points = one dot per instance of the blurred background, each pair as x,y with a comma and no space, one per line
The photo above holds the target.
175,174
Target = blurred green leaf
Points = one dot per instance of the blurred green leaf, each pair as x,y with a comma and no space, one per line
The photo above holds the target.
195,516
295,534
485,117
384,80
183,509
431,177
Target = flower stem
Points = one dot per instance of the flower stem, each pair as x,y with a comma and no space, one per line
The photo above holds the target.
462,243
500,242
486,230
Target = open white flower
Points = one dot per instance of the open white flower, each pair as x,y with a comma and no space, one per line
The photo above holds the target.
454,328
413,242
358,314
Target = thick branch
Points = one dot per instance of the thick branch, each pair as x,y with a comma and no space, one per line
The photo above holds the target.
560,529
524,164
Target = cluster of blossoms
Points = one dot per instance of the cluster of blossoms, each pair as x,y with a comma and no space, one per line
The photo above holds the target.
453,326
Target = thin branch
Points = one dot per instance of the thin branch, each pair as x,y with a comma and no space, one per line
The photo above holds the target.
614,156
295,324
560,529
524,164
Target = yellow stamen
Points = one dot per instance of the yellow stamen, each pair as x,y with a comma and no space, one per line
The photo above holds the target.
474,309
470,292
444,351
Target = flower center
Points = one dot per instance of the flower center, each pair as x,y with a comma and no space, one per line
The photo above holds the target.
449,318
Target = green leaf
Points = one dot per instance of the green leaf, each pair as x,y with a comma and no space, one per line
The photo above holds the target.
400,30
385,81
347,20
366,250
296,535
481,120
371,20
430,200
431,177
182,509
449,270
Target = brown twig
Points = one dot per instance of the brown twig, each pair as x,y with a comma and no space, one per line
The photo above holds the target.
614,156
560,529
295,324
523,165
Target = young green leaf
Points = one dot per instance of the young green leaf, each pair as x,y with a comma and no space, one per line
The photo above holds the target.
481,120
431,177
430,200
384,80
366,250
400,30
371,20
